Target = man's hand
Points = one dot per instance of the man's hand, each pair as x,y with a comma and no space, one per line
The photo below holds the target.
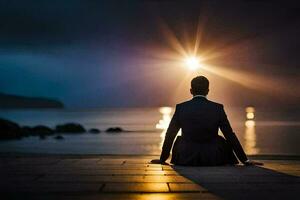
252,162
158,161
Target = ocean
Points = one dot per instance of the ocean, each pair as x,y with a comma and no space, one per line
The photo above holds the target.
260,132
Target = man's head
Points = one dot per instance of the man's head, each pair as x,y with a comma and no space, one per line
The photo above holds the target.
199,86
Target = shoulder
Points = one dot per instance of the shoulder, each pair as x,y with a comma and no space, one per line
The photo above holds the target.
208,103
182,105
179,105
216,104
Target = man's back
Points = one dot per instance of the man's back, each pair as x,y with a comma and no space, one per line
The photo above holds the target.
199,119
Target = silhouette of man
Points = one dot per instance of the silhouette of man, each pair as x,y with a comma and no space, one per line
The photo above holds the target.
200,144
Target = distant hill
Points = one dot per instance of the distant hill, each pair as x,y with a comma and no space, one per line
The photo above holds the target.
15,101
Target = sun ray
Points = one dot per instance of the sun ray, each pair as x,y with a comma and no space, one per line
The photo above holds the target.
251,80
182,87
199,34
182,55
172,39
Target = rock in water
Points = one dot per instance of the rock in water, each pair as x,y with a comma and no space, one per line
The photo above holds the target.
59,137
26,131
114,130
9,129
70,128
42,130
42,137
94,130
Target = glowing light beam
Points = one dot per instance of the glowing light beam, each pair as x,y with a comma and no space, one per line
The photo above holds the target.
192,62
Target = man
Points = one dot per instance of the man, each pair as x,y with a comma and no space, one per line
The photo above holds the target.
200,144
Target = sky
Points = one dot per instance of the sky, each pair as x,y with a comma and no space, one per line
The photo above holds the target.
130,53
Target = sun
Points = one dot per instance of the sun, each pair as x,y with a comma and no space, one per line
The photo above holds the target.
192,63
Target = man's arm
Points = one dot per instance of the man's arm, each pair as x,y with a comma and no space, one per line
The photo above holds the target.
231,137
170,136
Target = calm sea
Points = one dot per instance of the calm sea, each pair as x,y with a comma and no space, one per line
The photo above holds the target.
269,132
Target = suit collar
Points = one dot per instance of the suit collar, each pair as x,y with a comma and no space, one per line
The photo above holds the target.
199,96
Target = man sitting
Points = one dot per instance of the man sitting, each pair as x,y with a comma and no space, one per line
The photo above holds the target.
200,144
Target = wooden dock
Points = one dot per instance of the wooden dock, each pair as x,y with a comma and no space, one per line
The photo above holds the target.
132,177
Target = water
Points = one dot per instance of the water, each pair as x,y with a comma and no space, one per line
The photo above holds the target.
270,132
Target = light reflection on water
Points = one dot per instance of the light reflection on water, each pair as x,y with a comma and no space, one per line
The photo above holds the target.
250,137
163,123
166,118
250,134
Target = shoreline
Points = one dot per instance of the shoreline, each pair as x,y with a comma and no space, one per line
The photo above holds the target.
62,155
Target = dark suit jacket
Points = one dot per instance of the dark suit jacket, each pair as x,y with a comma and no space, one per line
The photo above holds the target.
200,120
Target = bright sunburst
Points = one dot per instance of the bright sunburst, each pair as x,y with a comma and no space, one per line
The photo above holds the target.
198,59
192,63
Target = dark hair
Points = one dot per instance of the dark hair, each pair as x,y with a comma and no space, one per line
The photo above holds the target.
200,85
